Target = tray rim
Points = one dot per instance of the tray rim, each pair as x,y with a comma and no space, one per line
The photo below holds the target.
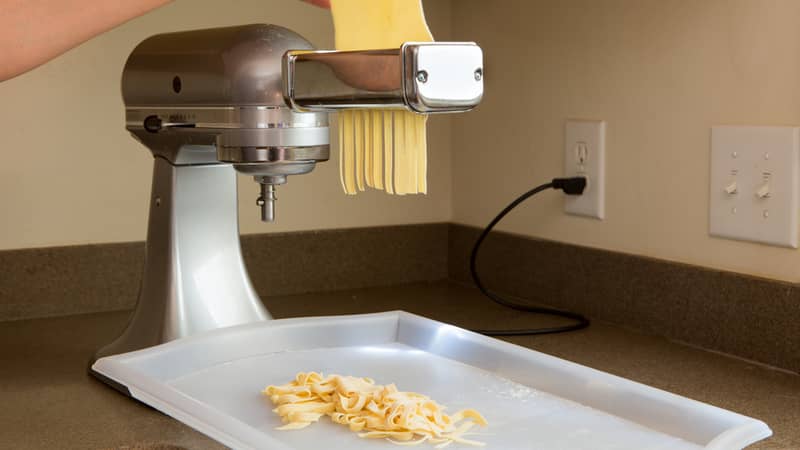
176,404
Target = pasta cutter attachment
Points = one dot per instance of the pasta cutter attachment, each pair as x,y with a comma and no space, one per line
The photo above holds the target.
424,77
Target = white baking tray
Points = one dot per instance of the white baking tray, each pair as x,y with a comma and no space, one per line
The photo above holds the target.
212,382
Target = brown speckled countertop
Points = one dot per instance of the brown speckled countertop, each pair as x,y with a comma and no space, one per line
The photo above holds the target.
48,401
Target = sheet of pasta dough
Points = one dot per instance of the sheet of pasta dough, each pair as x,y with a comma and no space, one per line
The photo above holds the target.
381,149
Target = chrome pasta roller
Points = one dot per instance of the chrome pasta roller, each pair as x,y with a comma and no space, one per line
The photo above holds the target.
424,77
252,99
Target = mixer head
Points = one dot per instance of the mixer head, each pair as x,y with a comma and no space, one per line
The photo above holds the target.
257,96
215,96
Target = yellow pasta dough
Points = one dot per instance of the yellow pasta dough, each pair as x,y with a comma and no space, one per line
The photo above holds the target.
374,411
381,149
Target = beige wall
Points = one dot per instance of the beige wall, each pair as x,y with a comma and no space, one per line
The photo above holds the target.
70,173
661,72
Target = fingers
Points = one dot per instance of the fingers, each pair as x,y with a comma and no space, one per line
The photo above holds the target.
320,3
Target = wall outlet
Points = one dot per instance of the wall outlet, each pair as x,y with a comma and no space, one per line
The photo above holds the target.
754,184
585,155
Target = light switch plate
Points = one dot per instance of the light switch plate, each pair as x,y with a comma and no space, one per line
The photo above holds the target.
754,184
585,155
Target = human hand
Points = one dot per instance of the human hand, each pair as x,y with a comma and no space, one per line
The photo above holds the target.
320,3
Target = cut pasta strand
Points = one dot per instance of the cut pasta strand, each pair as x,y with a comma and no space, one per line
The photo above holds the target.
377,149
384,150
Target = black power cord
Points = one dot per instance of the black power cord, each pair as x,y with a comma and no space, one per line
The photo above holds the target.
570,186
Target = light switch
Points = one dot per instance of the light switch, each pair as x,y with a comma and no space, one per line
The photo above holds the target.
763,191
754,184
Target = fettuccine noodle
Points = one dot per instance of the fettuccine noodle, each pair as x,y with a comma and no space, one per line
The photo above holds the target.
373,411
381,149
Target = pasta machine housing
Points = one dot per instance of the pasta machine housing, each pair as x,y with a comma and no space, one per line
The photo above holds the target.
251,99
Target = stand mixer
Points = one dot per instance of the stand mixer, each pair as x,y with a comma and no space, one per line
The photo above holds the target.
251,99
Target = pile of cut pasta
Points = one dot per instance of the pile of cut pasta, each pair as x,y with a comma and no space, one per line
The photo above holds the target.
373,411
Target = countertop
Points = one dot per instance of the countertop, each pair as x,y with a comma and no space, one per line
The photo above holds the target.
48,400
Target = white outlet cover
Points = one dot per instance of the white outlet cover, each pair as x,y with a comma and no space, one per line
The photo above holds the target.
744,161
585,155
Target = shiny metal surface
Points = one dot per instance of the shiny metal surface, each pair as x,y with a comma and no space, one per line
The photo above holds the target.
267,202
194,278
215,96
442,77
231,66
229,129
220,86
224,117
325,80
304,137
254,155
427,77
268,196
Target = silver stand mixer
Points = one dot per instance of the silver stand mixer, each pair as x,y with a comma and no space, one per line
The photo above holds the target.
252,99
